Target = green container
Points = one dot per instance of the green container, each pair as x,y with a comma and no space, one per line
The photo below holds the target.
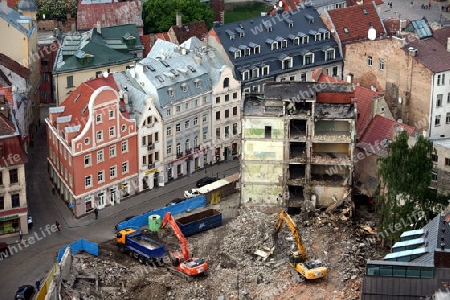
154,222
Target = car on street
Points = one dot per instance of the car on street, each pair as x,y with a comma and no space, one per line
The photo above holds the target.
205,180
25,292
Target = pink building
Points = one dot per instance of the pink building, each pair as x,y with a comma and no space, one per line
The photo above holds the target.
92,147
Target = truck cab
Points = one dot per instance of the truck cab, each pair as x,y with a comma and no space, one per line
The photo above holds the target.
122,235
192,193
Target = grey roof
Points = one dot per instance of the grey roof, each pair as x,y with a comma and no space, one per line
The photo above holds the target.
27,6
293,90
170,74
334,111
14,18
303,21
136,96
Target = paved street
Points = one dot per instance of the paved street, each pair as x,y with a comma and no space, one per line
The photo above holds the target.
402,9
32,262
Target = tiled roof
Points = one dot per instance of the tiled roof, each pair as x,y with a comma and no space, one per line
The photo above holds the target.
146,40
13,18
7,128
88,43
185,31
14,66
431,52
7,92
379,129
12,147
364,100
352,23
110,14
441,35
266,31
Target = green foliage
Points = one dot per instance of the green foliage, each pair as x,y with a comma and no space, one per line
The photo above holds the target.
407,174
56,9
160,15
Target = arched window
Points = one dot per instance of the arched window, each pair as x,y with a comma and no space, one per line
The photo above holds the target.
226,82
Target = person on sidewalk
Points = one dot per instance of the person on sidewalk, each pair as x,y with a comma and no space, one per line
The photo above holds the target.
96,213
20,236
58,225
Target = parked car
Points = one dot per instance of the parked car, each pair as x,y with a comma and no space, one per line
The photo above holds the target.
25,292
205,181
175,201
126,219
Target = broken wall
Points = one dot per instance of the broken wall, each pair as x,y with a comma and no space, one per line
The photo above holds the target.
326,194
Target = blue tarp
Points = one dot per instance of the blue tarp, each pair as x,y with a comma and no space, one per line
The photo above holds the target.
142,220
78,246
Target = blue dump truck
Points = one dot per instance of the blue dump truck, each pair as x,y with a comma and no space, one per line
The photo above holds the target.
141,247
198,222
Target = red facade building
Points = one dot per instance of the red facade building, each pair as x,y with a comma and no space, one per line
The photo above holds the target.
92,147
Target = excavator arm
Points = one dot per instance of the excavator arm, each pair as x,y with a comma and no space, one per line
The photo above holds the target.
168,219
284,217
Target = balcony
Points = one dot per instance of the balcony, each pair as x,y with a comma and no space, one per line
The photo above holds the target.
180,154
151,166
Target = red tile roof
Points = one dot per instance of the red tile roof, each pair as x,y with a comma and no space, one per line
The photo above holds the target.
7,92
364,98
290,5
14,66
431,52
186,31
356,19
12,151
379,129
146,40
110,14
6,126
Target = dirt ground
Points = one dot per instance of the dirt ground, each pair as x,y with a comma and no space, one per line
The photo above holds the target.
235,272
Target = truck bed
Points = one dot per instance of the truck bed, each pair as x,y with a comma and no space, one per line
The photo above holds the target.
147,243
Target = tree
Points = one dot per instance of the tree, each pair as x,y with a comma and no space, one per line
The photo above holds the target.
160,15
56,9
407,174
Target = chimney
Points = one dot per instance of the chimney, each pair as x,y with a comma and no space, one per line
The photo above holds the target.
99,27
5,6
179,21
448,44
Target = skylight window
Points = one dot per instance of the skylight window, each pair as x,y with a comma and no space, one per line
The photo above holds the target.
346,30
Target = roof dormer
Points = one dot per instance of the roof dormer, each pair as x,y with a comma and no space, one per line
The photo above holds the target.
231,34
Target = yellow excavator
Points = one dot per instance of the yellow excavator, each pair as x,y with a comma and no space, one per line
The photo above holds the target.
313,269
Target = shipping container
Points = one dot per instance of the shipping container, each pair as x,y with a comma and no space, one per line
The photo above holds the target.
201,221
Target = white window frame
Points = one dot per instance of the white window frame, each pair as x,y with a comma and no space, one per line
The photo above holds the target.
112,151
237,53
100,156
112,131
125,168
124,146
290,62
87,181
112,115
87,158
101,176
113,172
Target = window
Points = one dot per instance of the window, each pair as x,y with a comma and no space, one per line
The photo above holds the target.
112,151
447,161
124,167
195,142
195,121
274,46
439,100
187,145
256,49
168,112
217,133
169,131
178,148
169,149
69,81
186,105
205,135
447,118
237,53
87,160
226,82
100,177
186,124
98,118
156,156
308,59
112,172
99,136
204,118
184,87
434,157
227,113
124,146
246,75
235,111
317,37
437,120
305,40
217,99
268,132
284,44
434,176
227,132
235,95
255,73
381,64
170,92
291,78
112,131
198,83
217,115
15,200
247,52
178,127
2,202
441,79
156,137
87,181
234,128
178,108
369,61
265,71
287,63
330,54
111,114
13,176
303,77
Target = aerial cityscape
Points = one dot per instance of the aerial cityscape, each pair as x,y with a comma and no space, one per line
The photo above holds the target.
225,149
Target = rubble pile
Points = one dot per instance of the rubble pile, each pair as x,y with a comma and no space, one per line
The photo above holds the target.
243,264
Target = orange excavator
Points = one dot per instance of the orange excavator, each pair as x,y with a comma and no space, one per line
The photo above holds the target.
183,265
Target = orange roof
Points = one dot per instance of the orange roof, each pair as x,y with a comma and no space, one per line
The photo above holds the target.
352,23
364,98
146,40
12,151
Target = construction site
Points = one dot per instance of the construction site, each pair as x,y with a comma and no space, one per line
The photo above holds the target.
243,262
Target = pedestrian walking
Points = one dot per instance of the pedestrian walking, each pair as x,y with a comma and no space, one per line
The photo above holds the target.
411,4
20,235
58,225
96,213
